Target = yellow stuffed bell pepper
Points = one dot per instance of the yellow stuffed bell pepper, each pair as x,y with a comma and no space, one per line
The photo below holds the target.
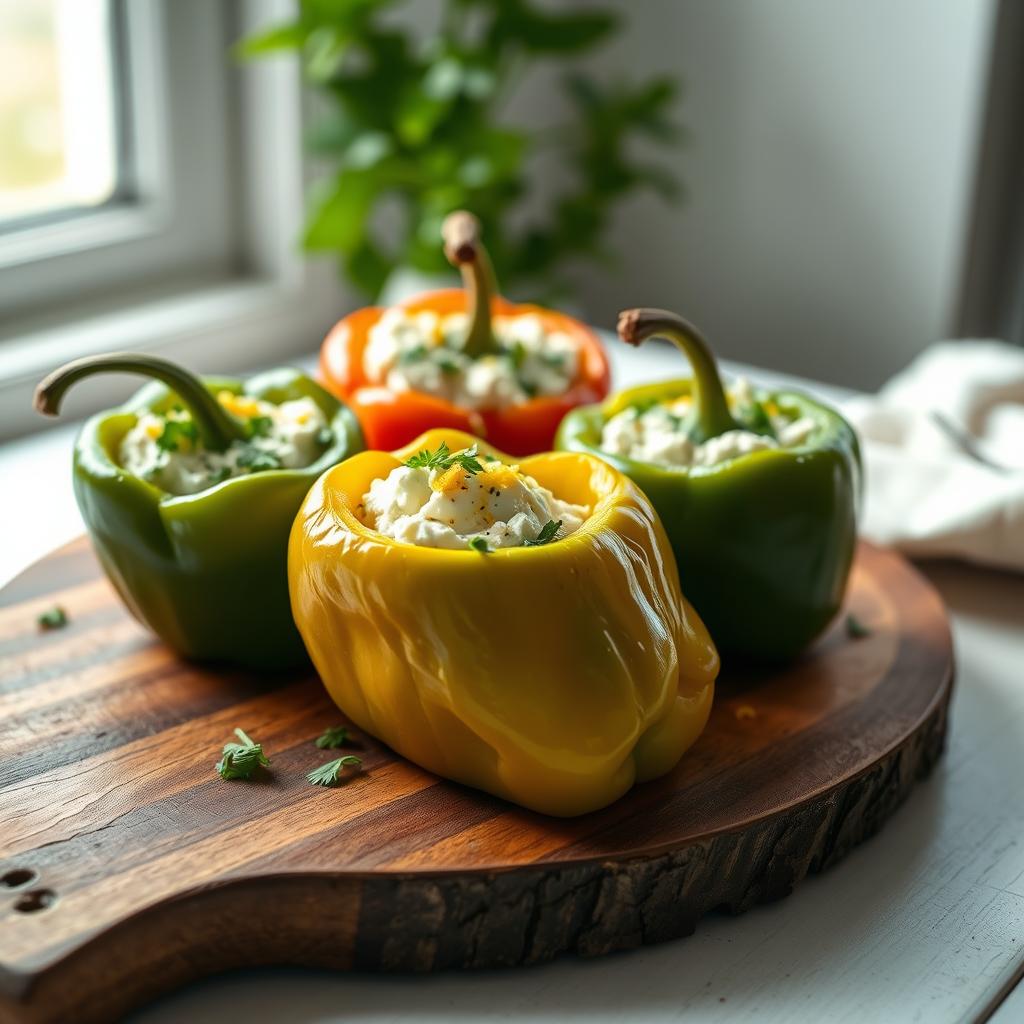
554,675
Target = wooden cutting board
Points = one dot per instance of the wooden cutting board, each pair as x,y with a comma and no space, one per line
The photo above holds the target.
127,867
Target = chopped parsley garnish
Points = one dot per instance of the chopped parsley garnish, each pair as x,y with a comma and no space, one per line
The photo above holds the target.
528,387
241,759
444,458
855,628
259,426
335,736
642,405
479,544
548,533
176,431
53,618
414,354
256,460
324,436
516,354
329,774
556,360
755,418
448,365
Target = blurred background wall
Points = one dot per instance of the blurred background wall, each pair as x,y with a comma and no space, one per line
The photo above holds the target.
830,174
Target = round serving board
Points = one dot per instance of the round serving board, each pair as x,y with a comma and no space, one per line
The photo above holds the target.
127,866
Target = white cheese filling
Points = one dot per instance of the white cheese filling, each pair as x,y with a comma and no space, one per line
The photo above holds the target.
166,450
658,434
498,507
423,352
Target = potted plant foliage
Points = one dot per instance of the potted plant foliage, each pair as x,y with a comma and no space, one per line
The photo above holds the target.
415,121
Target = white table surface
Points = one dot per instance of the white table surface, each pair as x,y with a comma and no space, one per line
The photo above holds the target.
924,922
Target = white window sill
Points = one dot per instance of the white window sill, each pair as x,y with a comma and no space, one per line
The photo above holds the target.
228,327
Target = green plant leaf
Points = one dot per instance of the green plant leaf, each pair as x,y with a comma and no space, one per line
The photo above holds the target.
339,221
418,114
367,268
410,125
291,36
325,50
546,33
332,134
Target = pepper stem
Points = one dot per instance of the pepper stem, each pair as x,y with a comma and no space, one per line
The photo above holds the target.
462,246
711,409
217,427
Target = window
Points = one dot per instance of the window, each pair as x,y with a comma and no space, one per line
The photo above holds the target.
59,131
180,236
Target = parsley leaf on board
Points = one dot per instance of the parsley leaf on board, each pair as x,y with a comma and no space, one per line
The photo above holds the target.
335,736
240,760
53,618
855,628
329,774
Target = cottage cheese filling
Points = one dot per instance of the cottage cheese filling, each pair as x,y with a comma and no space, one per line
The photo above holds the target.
658,434
423,352
166,450
451,506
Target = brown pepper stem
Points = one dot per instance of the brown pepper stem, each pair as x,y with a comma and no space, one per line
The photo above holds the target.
217,427
463,249
711,409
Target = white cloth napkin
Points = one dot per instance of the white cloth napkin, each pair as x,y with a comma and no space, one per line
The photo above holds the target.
925,495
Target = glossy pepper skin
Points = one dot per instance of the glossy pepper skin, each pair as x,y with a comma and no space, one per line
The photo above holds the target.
391,419
206,572
763,542
553,676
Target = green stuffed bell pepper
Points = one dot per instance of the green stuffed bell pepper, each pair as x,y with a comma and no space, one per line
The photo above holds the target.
189,492
758,492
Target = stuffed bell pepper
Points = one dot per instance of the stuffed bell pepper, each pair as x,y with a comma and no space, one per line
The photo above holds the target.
757,491
189,491
464,359
517,627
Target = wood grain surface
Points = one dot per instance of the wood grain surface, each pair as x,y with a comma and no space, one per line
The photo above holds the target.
127,866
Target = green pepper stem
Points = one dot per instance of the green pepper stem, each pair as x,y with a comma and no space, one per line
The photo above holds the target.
217,427
463,248
711,409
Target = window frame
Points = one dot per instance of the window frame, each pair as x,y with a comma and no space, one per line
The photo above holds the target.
238,296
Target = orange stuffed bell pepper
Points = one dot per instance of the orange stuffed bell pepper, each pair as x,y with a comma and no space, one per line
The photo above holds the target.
514,627
466,359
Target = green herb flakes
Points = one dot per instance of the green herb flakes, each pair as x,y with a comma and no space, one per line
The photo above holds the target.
413,355
176,432
256,460
548,533
259,426
443,458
